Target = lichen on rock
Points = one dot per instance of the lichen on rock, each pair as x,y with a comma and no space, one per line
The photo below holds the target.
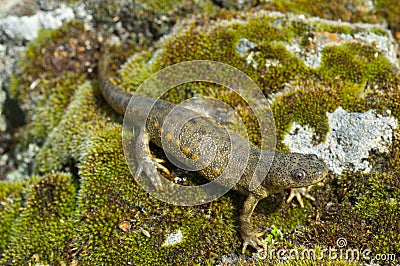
352,137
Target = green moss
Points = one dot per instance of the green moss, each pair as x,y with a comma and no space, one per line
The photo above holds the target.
367,213
11,203
365,205
352,11
307,107
340,81
50,108
162,6
109,222
389,9
109,196
12,199
144,21
273,78
219,44
52,68
336,28
136,70
68,140
273,67
356,63
44,228
54,64
195,45
70,48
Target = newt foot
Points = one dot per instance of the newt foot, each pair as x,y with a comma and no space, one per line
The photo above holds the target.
252,240
149,166
299,193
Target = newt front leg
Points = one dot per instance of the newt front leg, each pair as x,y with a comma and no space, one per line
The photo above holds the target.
246,230
147,163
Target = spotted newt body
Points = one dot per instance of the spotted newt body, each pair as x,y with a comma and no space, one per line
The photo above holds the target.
287,170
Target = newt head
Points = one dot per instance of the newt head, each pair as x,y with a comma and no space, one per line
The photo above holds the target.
293,170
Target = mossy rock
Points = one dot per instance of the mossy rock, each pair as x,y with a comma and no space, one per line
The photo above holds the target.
143,21
44,227
114,221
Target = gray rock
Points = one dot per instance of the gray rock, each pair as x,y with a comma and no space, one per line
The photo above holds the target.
48,5
20,28
351,138
228,259
8,60
25,28
24,159
173,238
236,4
15,32
81,13
364,34
243,46
53,20
3,123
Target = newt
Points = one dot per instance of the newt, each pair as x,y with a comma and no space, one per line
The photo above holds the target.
287,171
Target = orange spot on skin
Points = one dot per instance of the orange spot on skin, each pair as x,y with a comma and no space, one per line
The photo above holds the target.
185,150
168,137
217,171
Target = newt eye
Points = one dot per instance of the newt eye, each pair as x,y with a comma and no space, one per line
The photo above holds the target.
298,174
